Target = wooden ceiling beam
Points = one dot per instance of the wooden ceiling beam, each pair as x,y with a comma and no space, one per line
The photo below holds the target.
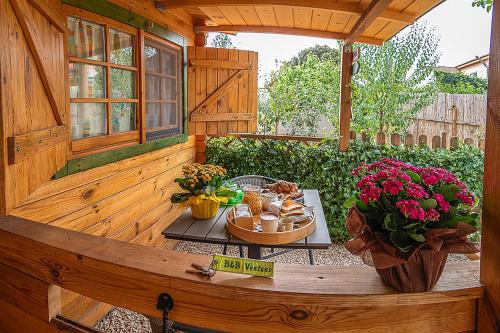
315,4
373,11
284,31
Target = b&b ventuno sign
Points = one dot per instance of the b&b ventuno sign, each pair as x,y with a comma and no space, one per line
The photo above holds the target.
243,266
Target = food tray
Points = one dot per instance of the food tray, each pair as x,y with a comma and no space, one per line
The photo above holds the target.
269,238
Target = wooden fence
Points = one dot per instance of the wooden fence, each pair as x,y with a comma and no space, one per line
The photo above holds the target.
436,141
458,115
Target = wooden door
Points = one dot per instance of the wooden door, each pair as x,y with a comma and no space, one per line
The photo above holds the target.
222,91
32,96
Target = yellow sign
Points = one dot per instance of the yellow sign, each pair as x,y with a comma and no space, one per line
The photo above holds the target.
243,266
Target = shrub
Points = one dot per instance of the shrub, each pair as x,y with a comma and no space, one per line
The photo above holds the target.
324,168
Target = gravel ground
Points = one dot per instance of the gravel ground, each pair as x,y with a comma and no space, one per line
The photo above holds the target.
120,320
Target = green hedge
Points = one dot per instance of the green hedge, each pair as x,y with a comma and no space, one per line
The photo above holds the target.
324,168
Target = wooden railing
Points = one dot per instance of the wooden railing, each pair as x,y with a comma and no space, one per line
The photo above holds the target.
39,258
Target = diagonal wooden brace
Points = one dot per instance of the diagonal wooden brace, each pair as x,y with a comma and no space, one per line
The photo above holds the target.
200,111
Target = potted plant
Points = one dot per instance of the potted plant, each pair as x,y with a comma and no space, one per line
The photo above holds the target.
405,220
203,189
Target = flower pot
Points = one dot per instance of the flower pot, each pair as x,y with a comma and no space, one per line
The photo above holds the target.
416,270
205,209
420,273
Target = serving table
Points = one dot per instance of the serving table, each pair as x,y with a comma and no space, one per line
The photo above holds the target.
214,231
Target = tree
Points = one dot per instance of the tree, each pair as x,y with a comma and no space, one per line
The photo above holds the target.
459,83
394,81
296,96
486,4
222,40
322,52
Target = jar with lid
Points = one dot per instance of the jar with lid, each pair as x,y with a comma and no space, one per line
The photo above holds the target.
253,198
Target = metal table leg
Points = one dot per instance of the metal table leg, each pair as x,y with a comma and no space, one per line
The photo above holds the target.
254,252
311,257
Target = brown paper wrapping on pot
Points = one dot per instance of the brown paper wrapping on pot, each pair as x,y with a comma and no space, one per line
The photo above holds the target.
418,269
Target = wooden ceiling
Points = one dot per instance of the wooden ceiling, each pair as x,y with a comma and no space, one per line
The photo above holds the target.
368,21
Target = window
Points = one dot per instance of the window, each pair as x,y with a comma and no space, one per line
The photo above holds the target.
106,69
102,84
163,88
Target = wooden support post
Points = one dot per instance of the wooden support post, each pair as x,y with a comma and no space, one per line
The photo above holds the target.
200,39
28,304
345,97
490,231
201,148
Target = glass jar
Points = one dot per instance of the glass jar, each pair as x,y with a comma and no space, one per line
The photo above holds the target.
252,198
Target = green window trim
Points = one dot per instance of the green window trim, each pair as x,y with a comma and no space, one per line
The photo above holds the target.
100,159
120,14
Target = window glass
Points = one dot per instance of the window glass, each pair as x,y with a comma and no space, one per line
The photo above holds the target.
163,89
152,87
88,119
169,62
87,81
86,39
152,61
103,87
169,114
122,83
153,116
122,50
168,89
124,117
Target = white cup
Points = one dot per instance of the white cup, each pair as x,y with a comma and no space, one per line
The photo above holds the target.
268,198
269,222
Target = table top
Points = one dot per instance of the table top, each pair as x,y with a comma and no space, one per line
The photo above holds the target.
214,230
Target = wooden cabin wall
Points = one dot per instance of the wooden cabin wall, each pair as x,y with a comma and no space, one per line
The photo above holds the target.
25,106
127,200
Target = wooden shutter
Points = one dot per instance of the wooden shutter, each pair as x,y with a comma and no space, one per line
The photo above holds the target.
222,91
33,95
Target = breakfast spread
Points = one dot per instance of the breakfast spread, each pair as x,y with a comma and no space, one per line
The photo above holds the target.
271,211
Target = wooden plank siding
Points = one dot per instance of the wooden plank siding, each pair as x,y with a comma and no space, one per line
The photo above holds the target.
128,201
33,83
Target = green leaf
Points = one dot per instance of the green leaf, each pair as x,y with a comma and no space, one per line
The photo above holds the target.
386,202
390,221
225,193
400,240
448,191
414,176
179,197
361,205
452,212
350,202
428,203
409,226
418,237
452,223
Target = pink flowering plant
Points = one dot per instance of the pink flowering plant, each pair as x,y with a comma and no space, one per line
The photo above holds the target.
406,201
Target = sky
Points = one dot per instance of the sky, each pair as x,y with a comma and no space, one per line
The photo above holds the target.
464,33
